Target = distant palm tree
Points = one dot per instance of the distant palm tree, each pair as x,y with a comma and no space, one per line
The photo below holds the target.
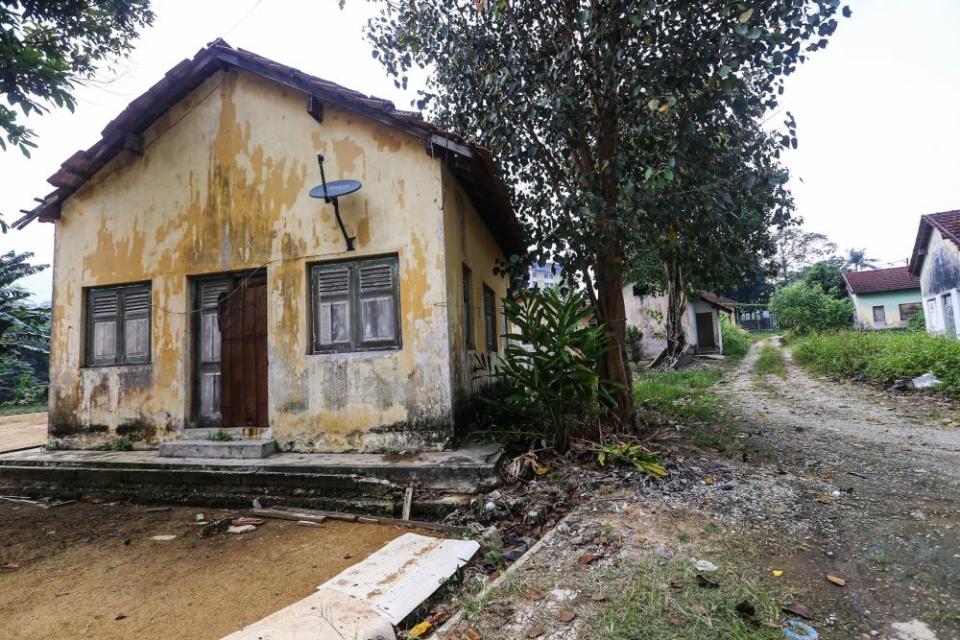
857,260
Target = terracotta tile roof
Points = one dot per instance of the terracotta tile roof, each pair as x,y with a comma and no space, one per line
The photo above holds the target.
472,165
946,222
716,300
879,280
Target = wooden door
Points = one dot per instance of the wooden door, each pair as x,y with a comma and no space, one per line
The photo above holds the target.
243,355
705,337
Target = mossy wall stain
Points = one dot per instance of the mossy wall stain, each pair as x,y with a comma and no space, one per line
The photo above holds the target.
223,186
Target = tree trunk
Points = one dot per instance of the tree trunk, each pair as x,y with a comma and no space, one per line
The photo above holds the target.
676,308
611,312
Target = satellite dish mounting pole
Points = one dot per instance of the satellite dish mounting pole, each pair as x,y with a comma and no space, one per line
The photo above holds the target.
336,206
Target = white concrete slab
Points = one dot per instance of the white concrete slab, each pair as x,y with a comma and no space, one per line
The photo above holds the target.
324,615
403,574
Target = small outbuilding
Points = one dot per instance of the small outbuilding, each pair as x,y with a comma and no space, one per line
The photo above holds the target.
936,263
701,321
883,298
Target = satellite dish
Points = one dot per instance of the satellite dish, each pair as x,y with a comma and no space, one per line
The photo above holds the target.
335,189
330,192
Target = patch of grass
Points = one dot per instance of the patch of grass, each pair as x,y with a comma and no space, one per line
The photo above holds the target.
882,357
679,395
657,598
757,336
16,410
686,397
770,361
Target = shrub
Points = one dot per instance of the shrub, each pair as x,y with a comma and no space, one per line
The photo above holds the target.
634,344
549,366
802,308
736,341
882,356
917,322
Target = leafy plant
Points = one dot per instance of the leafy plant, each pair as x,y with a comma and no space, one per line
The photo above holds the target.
45,47
917,322
221,436
24,333
736,341
549,366
634,344
633,454
802,308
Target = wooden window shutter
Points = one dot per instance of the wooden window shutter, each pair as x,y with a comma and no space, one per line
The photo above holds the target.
136,324
378,324
102,328
332,310
490,318
469,338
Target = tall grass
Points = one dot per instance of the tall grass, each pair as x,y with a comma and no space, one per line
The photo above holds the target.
736,341
881,356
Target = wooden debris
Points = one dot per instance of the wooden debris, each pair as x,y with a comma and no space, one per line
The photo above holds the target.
407,503
312,515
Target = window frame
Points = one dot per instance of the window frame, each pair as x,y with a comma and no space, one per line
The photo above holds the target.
120,358
470,336
490,319
354,298
917,309
883,315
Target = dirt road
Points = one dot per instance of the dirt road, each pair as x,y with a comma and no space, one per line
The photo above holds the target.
23,430
884,512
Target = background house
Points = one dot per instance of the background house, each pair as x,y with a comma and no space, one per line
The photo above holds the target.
883,298
544,275
701,321
936,262
197,284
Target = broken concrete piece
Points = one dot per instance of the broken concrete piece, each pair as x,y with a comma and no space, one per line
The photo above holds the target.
163,537
913,630
243,528
324,615
403,574
490,539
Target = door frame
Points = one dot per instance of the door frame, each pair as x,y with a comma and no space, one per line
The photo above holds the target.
713,334
193,364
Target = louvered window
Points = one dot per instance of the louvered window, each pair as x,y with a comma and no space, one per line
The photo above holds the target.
118,325
355,305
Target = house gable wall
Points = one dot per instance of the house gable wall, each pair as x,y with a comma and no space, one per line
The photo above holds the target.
223,186
940,276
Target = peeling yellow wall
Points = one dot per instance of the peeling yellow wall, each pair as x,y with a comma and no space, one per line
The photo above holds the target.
469,242
223,186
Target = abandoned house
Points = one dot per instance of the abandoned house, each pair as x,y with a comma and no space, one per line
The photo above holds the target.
701,322
883,298
936,262
198,285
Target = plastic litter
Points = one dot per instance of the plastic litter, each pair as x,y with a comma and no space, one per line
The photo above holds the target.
796,630
705,565
926,381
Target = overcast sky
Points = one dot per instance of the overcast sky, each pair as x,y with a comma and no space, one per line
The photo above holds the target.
878,111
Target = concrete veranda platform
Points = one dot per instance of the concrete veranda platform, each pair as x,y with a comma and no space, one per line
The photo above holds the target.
364,481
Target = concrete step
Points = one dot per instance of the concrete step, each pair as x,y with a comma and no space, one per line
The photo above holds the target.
232,449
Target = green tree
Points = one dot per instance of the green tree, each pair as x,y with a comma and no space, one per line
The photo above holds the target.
803,308
24,329
798,249
48,46
827,275
857,260
577,100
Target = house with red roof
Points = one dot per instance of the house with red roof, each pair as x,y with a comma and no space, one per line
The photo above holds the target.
936,263
883,298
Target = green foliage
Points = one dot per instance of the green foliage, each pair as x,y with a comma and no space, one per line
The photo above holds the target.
801,308
24,334
770,361
797,249
882,356
677,395
634,344
736,341
827,275
549,366
917,322
221,436
857,260
46,46
632,454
